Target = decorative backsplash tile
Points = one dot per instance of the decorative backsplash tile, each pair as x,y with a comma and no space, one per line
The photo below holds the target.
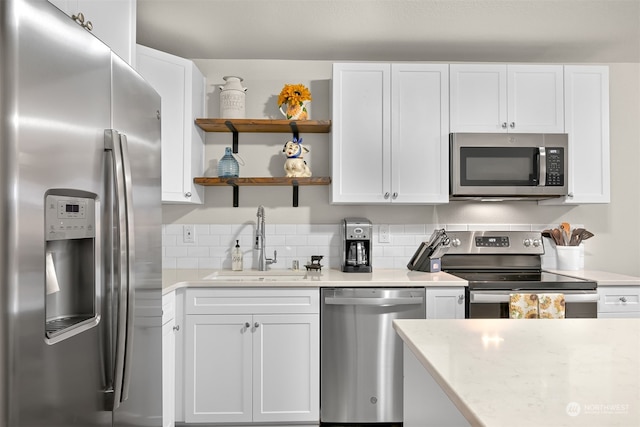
214,242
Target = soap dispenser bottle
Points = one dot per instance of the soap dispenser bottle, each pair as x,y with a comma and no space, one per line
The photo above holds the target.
236,257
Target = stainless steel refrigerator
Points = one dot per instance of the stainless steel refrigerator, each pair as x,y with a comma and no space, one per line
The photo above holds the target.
80,228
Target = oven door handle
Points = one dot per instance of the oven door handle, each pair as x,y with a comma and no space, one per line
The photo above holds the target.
498,297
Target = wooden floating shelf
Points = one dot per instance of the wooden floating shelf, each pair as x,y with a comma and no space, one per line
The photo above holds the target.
264,125
278,181
263,181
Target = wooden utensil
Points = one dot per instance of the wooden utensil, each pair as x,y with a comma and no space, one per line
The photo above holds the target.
575,236
566,232
557,237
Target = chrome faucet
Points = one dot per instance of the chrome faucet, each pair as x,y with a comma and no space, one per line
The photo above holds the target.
263,261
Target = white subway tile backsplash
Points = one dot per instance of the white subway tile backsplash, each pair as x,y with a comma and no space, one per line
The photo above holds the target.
286,229
414,229
295,240
213,243
187,263
176,252
201,229
403,240
198,251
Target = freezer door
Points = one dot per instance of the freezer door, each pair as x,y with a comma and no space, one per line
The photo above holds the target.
136,119
56,91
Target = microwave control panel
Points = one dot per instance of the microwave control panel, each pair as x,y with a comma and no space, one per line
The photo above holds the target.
555,167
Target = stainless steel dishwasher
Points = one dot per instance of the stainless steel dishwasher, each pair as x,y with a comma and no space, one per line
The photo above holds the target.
361,354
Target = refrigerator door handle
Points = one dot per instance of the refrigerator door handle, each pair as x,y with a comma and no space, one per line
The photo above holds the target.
117,145
126,169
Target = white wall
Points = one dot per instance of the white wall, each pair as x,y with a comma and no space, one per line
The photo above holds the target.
615,247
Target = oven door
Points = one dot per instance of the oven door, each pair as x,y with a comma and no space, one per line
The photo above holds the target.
494,304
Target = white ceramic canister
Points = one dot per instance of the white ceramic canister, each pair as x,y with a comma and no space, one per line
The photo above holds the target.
232,98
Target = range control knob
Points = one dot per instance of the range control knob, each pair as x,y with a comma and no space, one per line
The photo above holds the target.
527,242
537,242
456,242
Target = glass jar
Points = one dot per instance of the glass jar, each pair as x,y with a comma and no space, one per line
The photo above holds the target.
228,165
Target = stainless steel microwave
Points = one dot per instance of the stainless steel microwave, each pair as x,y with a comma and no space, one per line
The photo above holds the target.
507,166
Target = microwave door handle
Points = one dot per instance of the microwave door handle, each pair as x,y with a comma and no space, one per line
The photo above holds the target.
542,166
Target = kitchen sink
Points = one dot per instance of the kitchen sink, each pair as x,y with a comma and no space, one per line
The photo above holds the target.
257,276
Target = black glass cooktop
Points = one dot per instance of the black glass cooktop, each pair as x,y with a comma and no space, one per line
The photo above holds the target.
521,280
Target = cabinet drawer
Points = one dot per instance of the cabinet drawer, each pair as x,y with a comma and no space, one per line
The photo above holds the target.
252,301
619,299
168,307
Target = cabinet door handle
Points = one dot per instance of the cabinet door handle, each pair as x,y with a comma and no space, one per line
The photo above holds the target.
187,194
176,328
504,125
247,325
386,195
395,195
623,299
460,299
256,325
512,125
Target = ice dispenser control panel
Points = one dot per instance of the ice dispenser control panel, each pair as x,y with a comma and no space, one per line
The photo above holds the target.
69,217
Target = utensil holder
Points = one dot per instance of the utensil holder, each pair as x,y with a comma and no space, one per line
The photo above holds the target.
570,257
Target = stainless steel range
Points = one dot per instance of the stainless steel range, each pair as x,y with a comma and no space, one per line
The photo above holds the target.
498,263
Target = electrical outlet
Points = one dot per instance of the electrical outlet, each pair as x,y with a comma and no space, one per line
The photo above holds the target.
383,234
188,234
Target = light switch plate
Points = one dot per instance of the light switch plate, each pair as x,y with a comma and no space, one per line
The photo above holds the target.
383,234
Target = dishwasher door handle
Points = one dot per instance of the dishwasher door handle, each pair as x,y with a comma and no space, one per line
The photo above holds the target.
379,302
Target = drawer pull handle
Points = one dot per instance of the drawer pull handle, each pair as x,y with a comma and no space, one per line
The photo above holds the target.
623,299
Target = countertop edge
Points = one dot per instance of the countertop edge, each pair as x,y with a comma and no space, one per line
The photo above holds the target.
177,279
604,278
464,409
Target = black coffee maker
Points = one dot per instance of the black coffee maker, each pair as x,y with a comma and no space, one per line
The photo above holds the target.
357,241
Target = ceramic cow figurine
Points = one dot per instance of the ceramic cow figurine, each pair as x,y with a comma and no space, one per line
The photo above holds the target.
295,166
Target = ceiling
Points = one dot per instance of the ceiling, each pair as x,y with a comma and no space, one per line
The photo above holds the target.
394,30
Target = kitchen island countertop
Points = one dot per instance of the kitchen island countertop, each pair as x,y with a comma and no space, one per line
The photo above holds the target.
502,372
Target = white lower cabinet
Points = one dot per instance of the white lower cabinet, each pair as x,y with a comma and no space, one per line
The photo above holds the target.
252,356
445,303
168,360
618,301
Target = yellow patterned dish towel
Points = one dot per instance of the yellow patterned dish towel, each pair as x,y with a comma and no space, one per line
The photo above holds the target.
551,306
523,306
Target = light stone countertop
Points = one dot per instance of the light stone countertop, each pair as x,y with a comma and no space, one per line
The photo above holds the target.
602,277
180,278
503,372
174,279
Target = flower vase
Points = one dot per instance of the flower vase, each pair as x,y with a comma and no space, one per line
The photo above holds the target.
295,110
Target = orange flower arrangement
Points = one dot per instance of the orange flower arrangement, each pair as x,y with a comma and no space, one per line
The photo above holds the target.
294,94
294,99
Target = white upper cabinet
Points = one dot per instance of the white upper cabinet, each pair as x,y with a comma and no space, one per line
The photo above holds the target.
182,89
587,124
507,98
112,21
390,133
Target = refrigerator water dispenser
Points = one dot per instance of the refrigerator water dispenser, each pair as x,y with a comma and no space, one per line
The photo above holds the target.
71,271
